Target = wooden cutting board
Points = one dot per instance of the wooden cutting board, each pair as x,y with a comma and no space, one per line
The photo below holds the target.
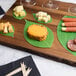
56,52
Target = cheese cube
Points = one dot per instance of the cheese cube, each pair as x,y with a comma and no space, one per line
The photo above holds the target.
40,18
48,17
18,8
1,26
22,13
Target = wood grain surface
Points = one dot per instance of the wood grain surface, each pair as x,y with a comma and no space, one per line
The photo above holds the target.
56,52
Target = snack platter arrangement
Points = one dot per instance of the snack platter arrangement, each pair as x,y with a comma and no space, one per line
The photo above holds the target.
46,36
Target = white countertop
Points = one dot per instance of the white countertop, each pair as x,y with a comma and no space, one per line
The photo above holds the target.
45,66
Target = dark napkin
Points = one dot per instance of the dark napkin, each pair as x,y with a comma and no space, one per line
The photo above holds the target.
5,69
1,11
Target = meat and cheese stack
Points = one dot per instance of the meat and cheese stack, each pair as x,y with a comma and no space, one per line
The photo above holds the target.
37,32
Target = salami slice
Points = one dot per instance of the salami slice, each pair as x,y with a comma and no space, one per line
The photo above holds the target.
72,45
75,41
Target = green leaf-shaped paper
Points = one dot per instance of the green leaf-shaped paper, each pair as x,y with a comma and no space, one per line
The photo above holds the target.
19,17
64,37
44,44
34,15
8,34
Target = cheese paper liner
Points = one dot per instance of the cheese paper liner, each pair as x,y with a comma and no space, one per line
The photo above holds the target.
43,44
64,37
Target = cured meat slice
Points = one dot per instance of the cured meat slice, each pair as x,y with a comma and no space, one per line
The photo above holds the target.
69,19
69,29
72,45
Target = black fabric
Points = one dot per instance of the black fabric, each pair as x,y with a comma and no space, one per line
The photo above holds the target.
1,11
5,69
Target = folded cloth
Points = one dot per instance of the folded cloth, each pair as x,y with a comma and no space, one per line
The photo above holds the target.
1,11
28,61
